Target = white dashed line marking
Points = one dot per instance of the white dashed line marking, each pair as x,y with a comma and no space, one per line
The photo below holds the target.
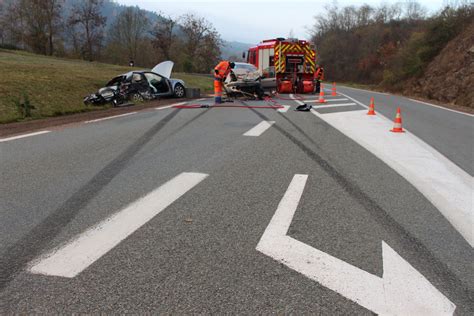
109,117
22,136
259,128
285,109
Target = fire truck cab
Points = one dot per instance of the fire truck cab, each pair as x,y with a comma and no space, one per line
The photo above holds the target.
287,65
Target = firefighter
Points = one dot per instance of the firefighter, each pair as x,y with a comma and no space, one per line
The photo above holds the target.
221,71
318,77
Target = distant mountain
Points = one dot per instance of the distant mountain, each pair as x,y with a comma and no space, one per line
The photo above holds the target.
233,50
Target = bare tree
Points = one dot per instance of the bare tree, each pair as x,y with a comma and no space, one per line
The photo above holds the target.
130,29
164,37
52,10
2,23
202,43
88,23
414,10
194,28
11,25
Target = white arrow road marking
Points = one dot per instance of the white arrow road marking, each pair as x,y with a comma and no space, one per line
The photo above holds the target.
109,117
258,129
401,291
22,136
72,258
285,109
441,181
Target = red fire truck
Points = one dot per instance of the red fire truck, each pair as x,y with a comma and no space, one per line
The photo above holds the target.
285,64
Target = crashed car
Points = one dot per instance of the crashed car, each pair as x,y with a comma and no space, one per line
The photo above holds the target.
244,81
139,85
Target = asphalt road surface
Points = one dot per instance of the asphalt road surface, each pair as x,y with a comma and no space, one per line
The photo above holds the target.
236,211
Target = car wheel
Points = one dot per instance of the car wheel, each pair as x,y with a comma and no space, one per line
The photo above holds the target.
179,90
137,97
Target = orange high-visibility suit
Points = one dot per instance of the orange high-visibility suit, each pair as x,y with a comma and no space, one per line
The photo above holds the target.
318,77
220,73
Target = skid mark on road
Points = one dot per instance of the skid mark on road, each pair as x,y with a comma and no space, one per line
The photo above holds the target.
410,243
32,244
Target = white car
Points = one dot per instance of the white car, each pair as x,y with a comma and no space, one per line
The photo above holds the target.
244,72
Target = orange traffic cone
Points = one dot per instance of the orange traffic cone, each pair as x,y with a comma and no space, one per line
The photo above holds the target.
321,95
397,127
334,89
371,107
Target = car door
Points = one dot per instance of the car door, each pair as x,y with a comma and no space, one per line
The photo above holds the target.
268,80
159,84
139,83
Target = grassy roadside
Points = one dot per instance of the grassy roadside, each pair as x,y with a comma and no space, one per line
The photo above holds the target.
56,86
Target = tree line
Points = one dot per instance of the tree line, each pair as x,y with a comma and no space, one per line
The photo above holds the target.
386,44
81,31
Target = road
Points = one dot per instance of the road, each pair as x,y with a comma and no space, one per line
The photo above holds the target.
239,210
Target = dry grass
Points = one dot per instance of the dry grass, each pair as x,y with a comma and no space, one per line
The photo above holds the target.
57,86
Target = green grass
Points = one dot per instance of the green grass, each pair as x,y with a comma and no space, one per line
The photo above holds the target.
57,86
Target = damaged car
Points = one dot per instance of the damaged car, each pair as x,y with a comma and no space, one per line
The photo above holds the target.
244,81
138,86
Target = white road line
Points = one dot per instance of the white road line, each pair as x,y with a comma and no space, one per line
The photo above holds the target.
401,290
360,103
443,183
440,107
383,93
258,129
170,106
285,109
296,100
328,100
22,136
430,104
72,258
177,104
109,117
322,106
174,104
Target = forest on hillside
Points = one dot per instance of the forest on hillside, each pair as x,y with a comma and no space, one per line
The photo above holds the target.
102,30
386,45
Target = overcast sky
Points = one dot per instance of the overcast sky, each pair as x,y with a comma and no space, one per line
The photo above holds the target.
251,21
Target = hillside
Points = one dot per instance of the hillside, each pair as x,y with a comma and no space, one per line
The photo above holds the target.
233,50
450,76
56,86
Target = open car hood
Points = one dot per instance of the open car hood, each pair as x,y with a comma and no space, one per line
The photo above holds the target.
164,69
